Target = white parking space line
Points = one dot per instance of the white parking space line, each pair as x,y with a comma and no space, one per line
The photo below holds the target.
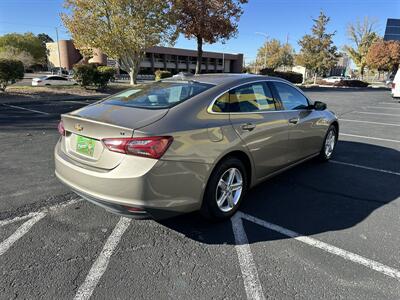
369,122
33,214
24,108
390,103
374,113
379,107
347,255
248,268
364,167
101,263
20,232
369,137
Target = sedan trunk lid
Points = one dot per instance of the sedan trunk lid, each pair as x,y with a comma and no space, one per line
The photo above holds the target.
85,128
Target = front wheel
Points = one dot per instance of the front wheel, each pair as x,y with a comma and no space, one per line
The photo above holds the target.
329,144
225,189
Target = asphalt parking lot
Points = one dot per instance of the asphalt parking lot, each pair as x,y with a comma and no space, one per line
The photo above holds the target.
317,231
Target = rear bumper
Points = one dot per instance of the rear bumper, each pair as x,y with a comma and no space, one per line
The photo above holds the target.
160,188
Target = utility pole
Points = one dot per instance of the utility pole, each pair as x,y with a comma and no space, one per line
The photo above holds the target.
58,50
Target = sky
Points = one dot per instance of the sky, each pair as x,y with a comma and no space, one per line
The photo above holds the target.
280,19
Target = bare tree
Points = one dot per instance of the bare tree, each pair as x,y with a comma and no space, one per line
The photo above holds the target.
362,35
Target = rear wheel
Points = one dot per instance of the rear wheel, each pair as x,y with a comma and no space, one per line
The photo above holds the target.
225,189
329,144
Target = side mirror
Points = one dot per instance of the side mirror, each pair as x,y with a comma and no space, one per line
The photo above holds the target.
318,105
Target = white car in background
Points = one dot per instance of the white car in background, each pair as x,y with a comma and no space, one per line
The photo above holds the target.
396,85
334,79
52,80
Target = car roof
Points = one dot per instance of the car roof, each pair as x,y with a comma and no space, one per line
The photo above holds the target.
223,78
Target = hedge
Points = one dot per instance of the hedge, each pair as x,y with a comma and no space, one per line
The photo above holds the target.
103,75
345,83
11,70
293,77
352,83
92,74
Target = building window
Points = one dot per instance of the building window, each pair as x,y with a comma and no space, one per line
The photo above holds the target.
193,60
182,59
158,57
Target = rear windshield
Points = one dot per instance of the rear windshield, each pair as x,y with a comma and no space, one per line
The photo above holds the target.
158,95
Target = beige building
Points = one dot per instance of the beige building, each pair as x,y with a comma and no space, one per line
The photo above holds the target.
157,58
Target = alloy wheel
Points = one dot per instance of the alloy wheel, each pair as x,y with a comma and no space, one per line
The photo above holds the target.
330,142
229,189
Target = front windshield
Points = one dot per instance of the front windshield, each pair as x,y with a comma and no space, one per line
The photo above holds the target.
162,94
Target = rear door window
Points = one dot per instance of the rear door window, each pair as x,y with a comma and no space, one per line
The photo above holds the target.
221,104
253,97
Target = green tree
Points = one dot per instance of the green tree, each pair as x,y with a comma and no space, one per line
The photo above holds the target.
273,54
45,38
362,35
10,71
208,21
122,29
26,42
287,55
318,54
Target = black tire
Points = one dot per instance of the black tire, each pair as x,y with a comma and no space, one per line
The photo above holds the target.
323,155
210,208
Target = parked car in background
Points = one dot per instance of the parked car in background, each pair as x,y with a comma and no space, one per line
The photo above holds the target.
334,79
59,71
396,85
390,79
52,80
190,143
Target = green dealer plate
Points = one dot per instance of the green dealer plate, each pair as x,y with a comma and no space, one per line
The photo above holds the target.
85,145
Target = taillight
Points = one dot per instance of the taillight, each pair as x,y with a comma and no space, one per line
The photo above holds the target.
61,128
152,147
393,85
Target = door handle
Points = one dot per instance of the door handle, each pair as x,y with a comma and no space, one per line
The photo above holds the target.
293,120
248,126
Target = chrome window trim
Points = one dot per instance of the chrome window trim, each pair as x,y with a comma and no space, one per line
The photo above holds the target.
210,106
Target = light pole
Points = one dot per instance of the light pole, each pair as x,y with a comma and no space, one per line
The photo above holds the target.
265,52
223,57
59,55
223,62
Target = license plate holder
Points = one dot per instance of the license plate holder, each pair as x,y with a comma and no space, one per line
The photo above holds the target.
85,145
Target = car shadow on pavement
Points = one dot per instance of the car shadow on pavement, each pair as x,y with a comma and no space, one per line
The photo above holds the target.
311,198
